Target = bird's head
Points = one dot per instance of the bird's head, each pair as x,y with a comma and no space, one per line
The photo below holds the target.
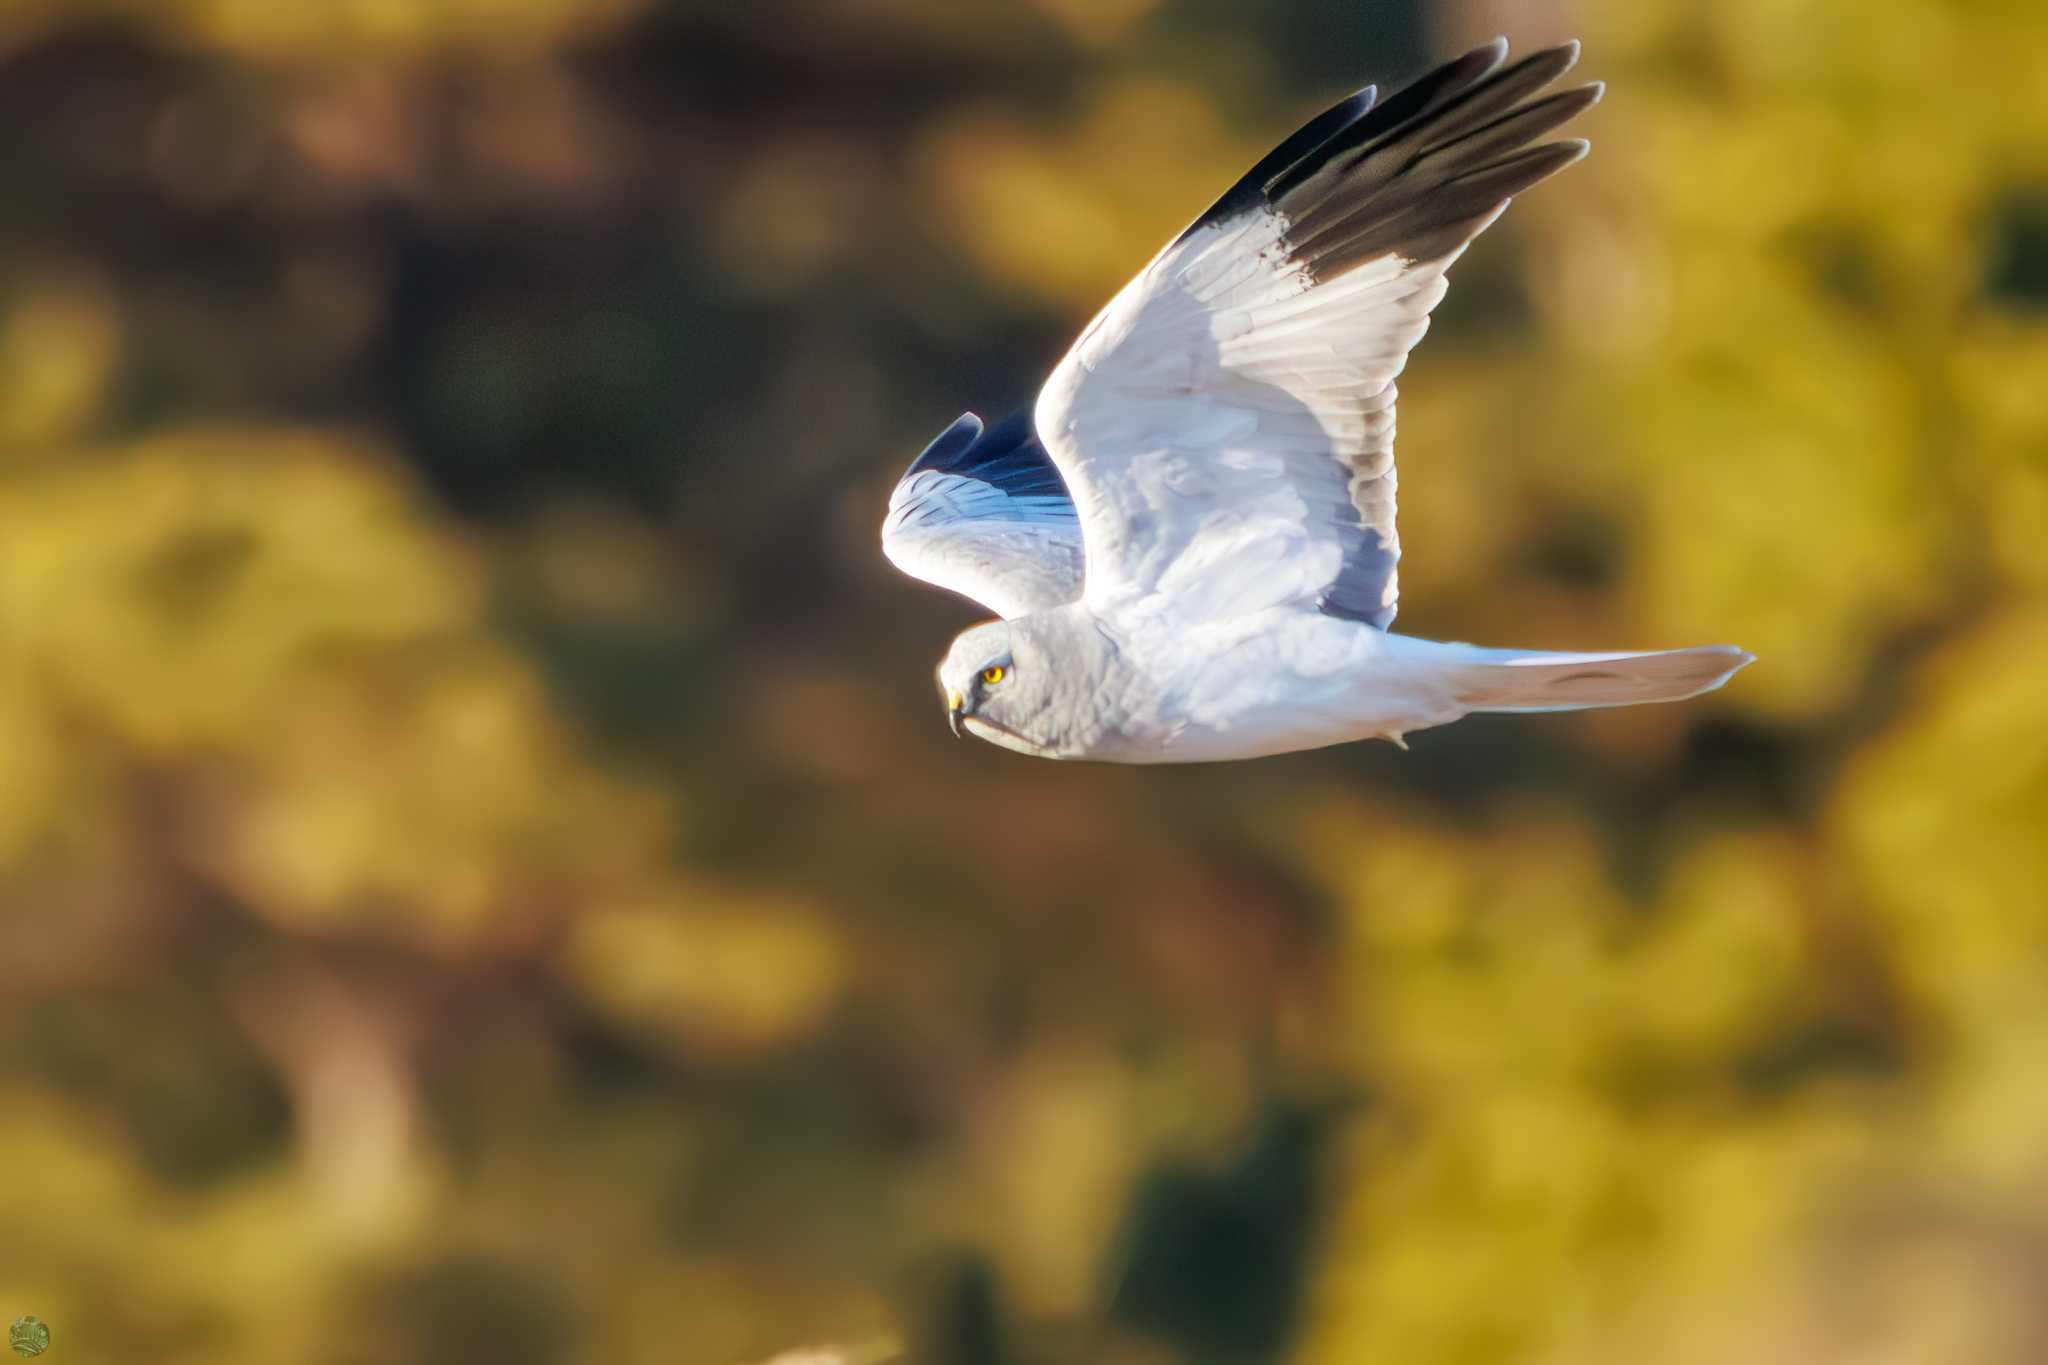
997,685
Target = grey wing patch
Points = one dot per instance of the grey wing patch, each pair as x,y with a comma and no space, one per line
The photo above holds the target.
983,512
1368,583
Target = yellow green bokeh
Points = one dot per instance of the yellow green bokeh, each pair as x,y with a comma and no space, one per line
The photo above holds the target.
485,877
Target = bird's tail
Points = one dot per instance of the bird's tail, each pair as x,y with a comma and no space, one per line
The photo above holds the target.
1530,680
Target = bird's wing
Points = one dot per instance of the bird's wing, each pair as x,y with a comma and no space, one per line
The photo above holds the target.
984,514
1226,425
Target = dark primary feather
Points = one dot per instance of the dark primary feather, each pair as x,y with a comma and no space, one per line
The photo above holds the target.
1409,104
1250,190
949,445
1420,172
1007,456
1420,176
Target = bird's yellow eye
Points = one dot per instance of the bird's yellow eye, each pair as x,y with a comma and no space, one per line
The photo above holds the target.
993,674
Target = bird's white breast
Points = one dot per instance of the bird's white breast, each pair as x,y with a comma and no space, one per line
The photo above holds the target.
1270,682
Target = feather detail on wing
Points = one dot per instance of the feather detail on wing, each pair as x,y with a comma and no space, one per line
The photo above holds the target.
984,514
1226,425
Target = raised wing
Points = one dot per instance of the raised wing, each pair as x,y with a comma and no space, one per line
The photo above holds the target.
984,514
1226,425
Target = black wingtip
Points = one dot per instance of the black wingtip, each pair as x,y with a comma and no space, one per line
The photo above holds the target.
1007,455
1431,166
950,444
1352,182
1572,150
1252,187
1423,97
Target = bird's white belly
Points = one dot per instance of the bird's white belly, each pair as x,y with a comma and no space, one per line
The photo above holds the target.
1278,682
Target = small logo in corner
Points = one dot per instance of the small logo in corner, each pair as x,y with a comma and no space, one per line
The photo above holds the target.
29,1336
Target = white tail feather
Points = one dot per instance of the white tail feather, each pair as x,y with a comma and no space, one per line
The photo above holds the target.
1525,681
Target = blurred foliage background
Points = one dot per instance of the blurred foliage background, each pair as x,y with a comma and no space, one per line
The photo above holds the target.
485,877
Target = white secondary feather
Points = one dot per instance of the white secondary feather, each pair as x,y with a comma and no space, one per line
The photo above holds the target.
1226,425
1012,555
983,513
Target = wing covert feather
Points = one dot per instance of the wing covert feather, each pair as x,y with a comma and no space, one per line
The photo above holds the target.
983,513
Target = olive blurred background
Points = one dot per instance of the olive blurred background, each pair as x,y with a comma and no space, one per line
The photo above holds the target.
485,876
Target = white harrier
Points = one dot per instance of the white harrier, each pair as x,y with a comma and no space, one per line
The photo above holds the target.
1192,534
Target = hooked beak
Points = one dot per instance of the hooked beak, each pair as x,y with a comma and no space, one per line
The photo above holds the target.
955,708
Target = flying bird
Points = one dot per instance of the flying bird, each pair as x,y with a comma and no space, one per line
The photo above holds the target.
1190,536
